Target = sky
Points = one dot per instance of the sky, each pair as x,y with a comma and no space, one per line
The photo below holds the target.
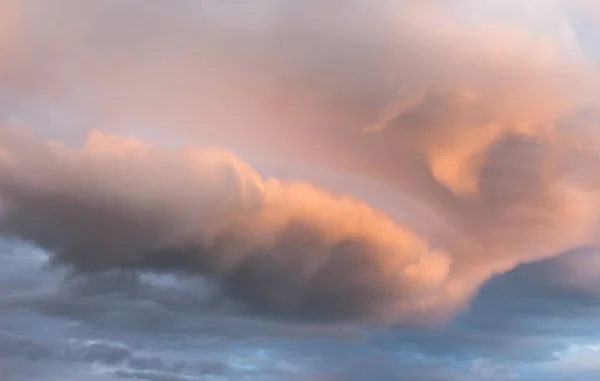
270,190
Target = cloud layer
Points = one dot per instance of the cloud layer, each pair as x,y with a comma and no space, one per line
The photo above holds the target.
281,248
406,163
285,249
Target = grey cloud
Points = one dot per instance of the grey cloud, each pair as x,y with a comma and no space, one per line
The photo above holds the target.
386,369
151,363
214,368
554,300
81,356
443,349
124,302
153,376
119,355
18,346
105,353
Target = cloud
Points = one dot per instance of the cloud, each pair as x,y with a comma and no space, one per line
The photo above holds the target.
555,300
280,248
10,14
511,325
274,70
185,264
477,124
124,302
262,82
93,357
14,345
99,352
283,249
153,376
443,82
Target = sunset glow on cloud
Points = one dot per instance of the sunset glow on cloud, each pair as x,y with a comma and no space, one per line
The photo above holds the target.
277,190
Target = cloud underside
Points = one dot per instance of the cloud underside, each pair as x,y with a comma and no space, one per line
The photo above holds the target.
277,248
280,248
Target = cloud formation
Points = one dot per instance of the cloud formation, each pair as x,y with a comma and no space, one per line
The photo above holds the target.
436,84
281,248
479,118
285,249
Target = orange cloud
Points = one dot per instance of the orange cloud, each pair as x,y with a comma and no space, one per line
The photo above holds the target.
281,248
489,131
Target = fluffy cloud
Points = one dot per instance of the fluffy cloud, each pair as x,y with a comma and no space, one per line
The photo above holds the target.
285,249
281,248
484,112
414,95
